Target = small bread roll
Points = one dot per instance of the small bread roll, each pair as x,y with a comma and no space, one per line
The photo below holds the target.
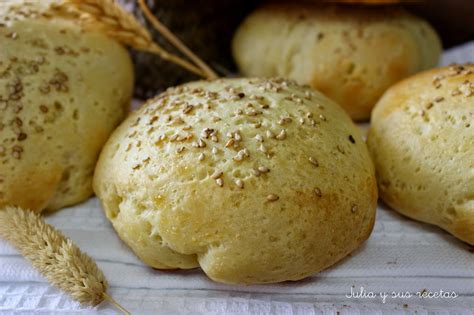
253,180
422,143
62,92
350,53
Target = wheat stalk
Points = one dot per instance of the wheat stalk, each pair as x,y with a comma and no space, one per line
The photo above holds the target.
110,18
55,256
163,30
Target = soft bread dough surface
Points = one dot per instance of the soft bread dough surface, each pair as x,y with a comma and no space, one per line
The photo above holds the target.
286,205
351,54
422,142
62,92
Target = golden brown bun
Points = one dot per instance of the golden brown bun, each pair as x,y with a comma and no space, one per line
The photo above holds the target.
422,142
351,54
286,205
62,92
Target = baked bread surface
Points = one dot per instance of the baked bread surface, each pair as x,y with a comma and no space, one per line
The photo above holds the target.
352,54
422,143
62,92
254,180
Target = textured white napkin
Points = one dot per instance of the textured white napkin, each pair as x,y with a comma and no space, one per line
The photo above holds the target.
400,256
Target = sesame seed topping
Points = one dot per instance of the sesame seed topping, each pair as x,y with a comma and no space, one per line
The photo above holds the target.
22,136
259,138
214,151
217,174
188,109
272,197
239,183
229,143
255,172
219,182
353,208
439,99
281,135
263,169
322,117
180,149
317,191
313,161
270,134
263,148
201,157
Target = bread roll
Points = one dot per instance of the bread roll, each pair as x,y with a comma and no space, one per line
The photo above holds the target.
422,143
352,54
62,92
254,180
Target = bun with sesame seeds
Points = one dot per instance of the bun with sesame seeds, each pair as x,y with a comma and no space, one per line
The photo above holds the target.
422,143
62,92
352,54
253,180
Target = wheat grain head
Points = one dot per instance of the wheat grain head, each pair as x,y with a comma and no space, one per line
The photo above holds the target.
53,255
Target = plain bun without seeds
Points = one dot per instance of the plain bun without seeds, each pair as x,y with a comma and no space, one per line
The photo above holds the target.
253,180
422,142
352,54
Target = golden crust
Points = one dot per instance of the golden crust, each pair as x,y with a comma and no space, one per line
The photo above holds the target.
62,92
422,143
351,54
204,175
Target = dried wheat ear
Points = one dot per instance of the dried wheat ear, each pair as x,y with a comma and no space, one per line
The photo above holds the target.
109,17
55,256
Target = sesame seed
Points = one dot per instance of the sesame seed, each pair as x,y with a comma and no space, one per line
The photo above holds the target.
257,125
217,174
180,149
201,157
263,148
255,172
322,117
219,182
188,109
317,191
272,197
270,134
313,161
22,136
238,157
439,99
263,169
237,136
201,143
259,138
281,135
429,105
353,208
229,143
239,183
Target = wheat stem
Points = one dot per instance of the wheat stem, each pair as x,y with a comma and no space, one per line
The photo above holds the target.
55,256
176,41
110,18
117,305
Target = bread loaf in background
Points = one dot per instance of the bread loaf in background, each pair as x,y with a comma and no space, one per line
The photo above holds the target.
62,92
350,53
253,180
422,143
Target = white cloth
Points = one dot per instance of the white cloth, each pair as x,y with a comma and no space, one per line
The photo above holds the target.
401,256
